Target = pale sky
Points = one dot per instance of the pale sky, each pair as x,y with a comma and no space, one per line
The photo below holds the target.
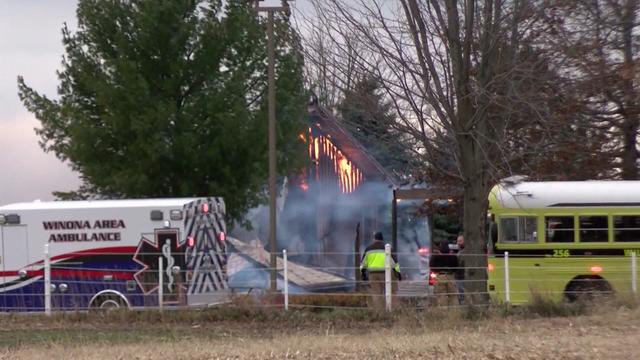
31,46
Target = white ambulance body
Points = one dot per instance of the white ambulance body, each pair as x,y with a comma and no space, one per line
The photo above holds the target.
106,253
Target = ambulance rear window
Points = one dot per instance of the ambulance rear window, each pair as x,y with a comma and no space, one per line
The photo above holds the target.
156,215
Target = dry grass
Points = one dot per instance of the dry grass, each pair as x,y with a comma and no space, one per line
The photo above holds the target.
609,332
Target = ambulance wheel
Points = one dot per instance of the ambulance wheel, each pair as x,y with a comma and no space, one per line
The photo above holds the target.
108,302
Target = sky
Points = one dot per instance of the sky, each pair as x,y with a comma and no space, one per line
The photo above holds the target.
31,46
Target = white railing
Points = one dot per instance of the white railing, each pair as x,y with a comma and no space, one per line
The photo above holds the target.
345,290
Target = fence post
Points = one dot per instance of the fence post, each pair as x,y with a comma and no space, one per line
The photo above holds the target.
160,283
387,276
285,275
634,273
507,292
47,281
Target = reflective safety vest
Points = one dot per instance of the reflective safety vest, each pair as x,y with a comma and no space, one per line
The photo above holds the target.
373,259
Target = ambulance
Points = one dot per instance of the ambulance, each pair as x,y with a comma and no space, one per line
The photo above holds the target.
113,254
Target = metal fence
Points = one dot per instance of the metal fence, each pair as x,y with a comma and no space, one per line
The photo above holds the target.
59,285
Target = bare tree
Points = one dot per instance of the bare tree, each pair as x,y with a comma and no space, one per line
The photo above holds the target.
464,78
321,50
598,42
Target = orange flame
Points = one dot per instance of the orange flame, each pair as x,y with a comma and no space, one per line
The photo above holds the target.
349,176
345,174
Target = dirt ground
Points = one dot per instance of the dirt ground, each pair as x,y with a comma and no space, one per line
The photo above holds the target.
614,335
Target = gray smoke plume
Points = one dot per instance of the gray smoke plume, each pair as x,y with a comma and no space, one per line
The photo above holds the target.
318,225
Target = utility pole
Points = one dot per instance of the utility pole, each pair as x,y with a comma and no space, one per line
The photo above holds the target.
270,10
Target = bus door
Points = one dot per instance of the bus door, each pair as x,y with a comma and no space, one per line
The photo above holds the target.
13,256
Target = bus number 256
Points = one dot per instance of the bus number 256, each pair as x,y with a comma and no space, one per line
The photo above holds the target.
561,253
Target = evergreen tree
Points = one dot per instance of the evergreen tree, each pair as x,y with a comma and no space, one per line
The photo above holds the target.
165,98
370,119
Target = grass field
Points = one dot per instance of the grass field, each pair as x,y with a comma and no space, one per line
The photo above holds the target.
612,333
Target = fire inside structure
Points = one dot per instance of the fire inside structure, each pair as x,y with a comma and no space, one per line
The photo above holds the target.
334,206
327,158
328,211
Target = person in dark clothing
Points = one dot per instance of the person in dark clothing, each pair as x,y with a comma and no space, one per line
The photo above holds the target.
444,264
443,260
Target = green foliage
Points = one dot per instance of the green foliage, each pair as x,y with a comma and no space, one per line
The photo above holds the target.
162,98
445,228
370,118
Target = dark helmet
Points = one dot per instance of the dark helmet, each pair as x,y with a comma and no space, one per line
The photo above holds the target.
378,236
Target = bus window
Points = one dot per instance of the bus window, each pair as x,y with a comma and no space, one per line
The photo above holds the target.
530,228
594,229
518,229
559,229
509,230
626,228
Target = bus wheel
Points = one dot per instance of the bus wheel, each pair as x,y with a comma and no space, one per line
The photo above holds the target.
587,288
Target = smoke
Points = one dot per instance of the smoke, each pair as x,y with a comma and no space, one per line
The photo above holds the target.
413,233
317,225
244,275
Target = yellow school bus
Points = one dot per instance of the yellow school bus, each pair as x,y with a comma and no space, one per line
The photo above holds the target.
563,240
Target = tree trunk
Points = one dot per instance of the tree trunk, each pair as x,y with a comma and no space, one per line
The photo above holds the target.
475,217
629,151
475,199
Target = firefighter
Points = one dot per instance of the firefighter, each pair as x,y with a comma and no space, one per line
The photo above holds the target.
372,270
444,264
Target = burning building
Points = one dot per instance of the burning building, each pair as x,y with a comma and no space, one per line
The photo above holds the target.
328,212
340,198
